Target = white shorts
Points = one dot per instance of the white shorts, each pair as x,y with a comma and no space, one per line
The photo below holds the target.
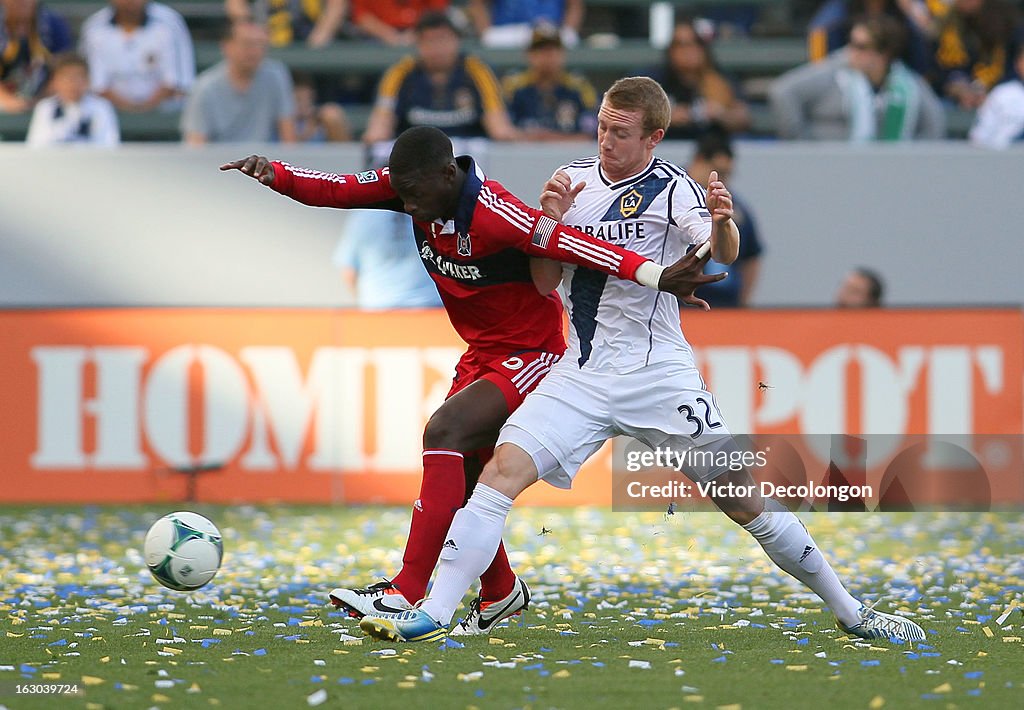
571,413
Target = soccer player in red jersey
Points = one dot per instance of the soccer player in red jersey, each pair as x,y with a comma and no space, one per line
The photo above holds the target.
476,240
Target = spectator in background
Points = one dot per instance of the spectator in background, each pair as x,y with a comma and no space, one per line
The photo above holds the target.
380,264
545,101
138,58
509,23
1000,120
860,93
973,48
245,98
701,96
30,35
392,22
439,87
714,152
317,123
861,288
73,114
830,27
315,22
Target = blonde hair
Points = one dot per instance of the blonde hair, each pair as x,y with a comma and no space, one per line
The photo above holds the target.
641,93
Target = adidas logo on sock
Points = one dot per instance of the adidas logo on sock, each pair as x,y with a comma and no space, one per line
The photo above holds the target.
418,505
807,550
449,544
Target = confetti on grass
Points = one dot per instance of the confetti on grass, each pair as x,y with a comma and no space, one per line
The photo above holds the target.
609,591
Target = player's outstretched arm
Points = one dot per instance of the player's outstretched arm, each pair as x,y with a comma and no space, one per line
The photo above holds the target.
370,189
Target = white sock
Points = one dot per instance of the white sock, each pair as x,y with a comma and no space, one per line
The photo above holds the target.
791,547
468,550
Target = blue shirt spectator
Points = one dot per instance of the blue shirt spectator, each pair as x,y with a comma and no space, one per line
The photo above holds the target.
440,87
378,259
546,102
508,23
714,153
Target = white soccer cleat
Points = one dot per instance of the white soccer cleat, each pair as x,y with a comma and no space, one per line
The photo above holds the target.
484,616
380,598
879,625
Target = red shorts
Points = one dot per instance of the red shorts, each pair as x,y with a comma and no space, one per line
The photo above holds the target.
515,374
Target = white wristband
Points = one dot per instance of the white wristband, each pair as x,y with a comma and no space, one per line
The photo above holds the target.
649,274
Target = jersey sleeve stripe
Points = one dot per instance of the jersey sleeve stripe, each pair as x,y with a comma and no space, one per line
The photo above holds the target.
698,191
394,77
486,84
493,203
313,174
513,208
501,207
594,248
584,250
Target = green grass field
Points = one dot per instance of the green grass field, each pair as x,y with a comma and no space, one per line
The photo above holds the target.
629,610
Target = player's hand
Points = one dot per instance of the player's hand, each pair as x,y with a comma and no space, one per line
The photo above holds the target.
255,166
559,194
719,199
683,277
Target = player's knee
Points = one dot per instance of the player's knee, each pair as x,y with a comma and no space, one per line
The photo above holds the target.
510,471
444,431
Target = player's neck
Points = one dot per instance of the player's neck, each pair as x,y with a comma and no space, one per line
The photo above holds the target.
616,174
460,180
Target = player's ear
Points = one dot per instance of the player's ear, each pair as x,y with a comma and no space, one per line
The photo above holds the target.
656,137
450,171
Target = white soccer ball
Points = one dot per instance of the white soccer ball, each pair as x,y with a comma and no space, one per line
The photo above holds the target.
183,551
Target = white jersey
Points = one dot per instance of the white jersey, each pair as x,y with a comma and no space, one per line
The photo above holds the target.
136,65
621,326
91,121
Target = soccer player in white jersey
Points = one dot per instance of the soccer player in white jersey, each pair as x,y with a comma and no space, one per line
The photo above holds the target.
628,370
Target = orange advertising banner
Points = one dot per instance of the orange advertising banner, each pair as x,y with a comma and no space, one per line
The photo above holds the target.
328,406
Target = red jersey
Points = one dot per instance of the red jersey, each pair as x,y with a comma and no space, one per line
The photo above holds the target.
480,260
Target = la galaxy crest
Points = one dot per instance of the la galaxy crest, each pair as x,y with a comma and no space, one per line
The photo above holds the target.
636,200
629,203
464,246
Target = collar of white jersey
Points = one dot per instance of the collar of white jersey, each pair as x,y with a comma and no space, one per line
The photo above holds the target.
625,181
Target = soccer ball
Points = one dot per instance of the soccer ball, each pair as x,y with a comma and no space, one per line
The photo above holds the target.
183,551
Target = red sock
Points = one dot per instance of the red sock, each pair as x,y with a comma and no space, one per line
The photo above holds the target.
441,493
497,580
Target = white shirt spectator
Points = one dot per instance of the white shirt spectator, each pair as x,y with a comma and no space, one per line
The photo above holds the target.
92,121
1000,119
136,65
